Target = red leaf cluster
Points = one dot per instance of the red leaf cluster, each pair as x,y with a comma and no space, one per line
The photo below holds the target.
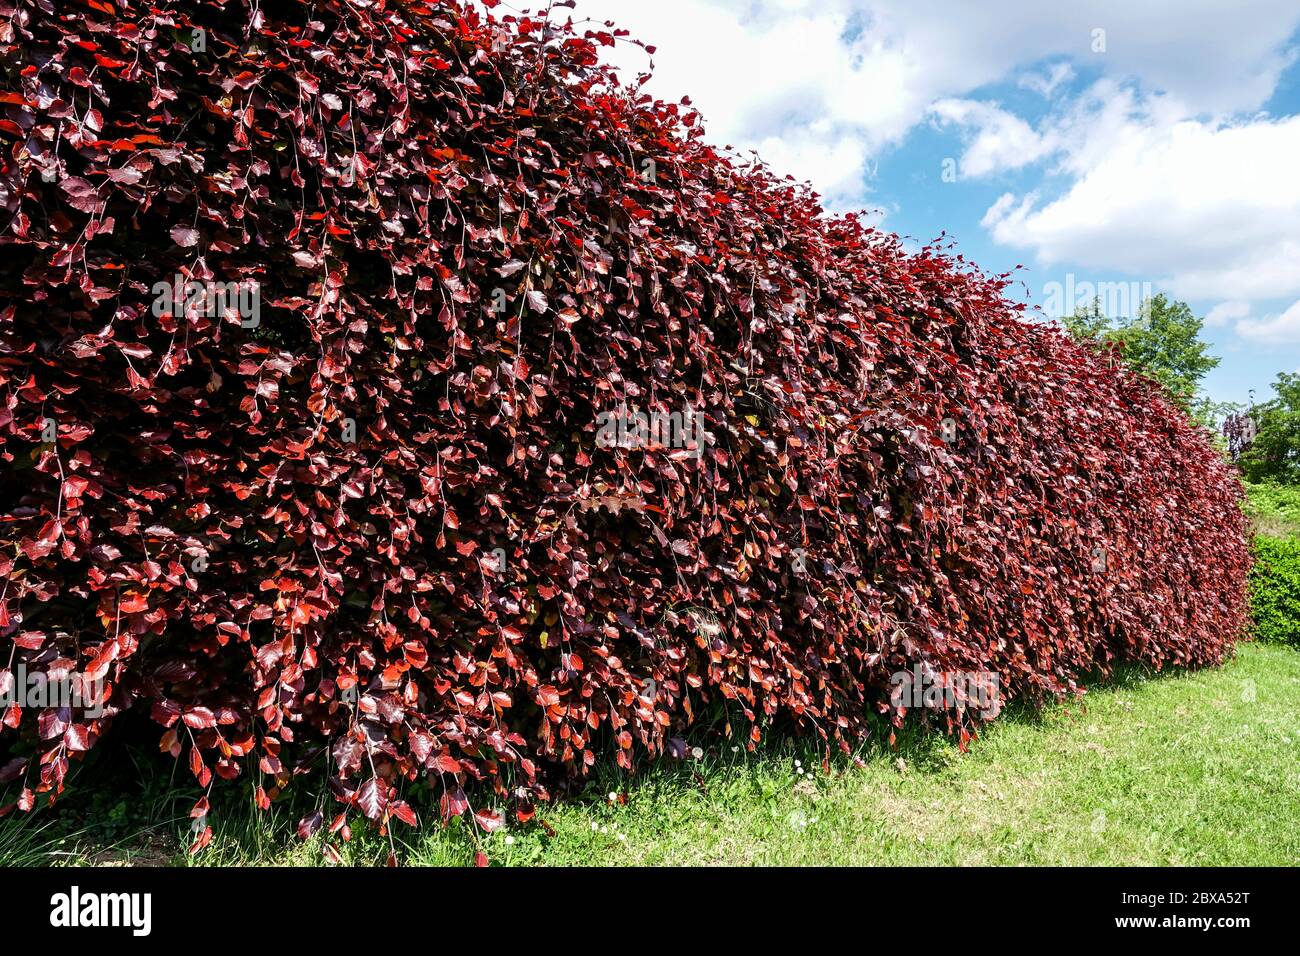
347,512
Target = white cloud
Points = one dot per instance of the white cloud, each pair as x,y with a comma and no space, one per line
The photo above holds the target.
779,78
810,79
1045,84
1280,329
1204,209
1226,312
1003,141
1006,208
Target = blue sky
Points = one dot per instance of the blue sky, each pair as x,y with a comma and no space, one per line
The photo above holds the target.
1138,147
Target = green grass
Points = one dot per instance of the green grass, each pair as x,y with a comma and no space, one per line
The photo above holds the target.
1274,510
1185,768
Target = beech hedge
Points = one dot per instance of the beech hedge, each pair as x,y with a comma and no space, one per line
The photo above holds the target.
387,390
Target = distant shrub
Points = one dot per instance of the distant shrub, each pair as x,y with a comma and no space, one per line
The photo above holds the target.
1275,590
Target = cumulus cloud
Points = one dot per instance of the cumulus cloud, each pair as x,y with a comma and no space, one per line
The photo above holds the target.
1205,209
1226,312
1281,329
819,87
1001,141
1045,84
810,78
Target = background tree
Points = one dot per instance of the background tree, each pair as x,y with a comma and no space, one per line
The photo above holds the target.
1163,341
1274,454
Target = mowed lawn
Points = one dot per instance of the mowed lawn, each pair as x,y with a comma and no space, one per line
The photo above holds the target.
1175,769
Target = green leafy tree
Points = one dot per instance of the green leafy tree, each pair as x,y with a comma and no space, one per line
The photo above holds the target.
1163,341
1274,453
